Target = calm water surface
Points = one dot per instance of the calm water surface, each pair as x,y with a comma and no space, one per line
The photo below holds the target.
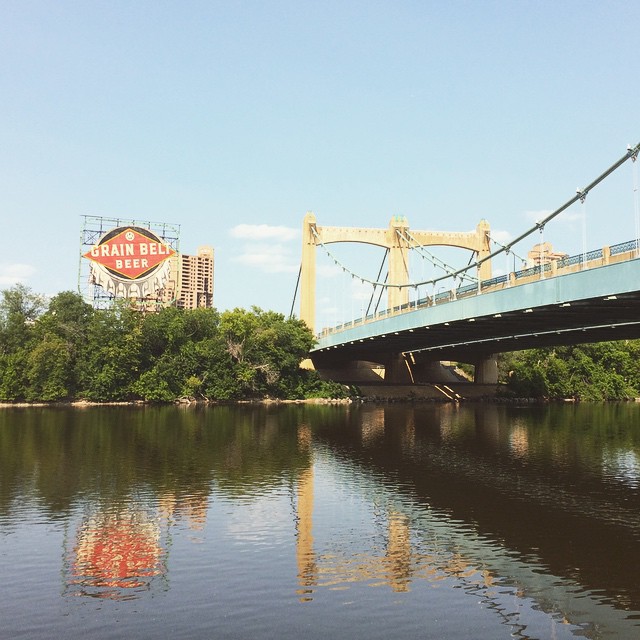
374,521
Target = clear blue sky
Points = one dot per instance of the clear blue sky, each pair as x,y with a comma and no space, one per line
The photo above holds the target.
234,118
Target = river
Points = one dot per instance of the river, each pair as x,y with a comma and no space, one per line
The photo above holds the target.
320,521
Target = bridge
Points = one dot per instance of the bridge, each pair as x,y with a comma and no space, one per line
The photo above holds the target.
555,300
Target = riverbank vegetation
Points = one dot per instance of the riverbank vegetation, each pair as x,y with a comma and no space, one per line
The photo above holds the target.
592,372
63,350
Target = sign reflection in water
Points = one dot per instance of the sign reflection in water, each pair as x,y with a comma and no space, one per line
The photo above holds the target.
120,552
114,552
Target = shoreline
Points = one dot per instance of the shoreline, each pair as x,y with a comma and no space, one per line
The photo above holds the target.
79,404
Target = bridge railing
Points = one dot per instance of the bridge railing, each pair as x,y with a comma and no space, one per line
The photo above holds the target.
485,284
569,264
532,271
624,247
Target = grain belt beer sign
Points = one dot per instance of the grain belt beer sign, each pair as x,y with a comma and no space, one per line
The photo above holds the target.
130,262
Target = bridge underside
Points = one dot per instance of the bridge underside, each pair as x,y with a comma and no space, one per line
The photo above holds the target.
589,306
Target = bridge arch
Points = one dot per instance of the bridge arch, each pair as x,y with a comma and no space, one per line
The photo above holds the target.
397,239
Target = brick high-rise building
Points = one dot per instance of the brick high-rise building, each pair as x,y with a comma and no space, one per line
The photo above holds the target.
190,284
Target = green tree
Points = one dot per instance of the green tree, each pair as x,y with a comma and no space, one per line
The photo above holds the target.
13,380
49,370
19,309
111,358
174,364
69,316
265,350
60,335
602,371
69,350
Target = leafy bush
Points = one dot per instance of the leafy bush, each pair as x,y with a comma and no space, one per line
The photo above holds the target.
603,371
68,350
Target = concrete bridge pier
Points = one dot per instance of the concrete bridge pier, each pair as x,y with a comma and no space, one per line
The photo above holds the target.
397,370
428,370
486,370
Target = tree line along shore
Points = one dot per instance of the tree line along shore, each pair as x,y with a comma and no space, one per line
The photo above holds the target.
63,350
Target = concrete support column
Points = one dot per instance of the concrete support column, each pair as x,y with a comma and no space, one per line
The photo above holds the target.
483,231
486,371
397,370
308,272
431,371
398,262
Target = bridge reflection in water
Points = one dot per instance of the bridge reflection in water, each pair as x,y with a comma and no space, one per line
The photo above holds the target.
430,536
396,567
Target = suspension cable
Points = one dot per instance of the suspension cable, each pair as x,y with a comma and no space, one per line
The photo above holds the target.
508,250
636,202
380,295
581,193
583,207
295,293
373,292
632,152
434,260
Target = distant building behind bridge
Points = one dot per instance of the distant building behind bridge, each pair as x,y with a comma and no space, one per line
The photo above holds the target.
543,253
190,283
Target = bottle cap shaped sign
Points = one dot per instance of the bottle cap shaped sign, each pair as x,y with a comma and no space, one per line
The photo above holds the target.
131,262
130,253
